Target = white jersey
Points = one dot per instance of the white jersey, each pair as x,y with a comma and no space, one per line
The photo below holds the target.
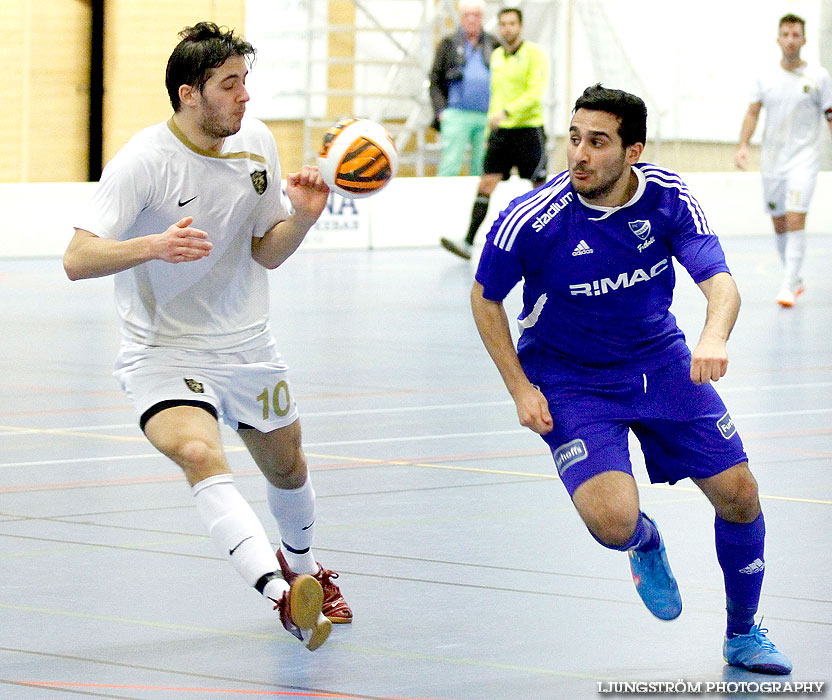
795,102
218,303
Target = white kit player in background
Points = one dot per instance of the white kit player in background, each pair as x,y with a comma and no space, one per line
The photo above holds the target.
796,95
188,216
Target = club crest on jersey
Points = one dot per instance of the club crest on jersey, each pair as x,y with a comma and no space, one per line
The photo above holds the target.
640,228
194,385
259,180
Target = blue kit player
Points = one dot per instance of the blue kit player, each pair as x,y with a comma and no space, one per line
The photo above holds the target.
600,354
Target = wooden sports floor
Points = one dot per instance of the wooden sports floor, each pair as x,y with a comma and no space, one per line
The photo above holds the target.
469,573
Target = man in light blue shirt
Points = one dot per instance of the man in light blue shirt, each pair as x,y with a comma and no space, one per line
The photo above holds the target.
460,90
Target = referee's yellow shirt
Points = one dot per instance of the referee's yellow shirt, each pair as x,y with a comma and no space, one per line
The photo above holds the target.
517,84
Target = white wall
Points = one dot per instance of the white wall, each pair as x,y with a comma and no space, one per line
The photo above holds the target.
693,63
38,217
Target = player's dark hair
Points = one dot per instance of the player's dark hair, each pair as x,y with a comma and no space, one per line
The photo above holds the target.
515,10
630,110
203,47
792,19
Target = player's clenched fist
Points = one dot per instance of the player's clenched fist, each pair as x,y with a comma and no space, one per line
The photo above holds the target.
181,243
709,362
742,157
533,410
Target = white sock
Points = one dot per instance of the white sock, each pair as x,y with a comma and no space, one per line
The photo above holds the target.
275,588
294,511
795,251
780,240
237,533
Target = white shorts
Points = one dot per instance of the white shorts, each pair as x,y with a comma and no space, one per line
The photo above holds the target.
790,192
250,388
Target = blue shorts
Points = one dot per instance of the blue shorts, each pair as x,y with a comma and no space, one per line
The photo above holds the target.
684,428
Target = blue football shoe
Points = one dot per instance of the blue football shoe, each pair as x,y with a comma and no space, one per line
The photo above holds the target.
655,582
756,652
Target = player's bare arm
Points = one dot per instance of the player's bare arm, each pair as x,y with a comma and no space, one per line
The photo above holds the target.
492,324
308,194
89,255
749,124
710,357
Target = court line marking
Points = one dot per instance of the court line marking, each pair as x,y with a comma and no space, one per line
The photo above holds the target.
370,462
167,671
285,639
413,409
181,537
14,430
236,448
385,652
367,441
342,458
544,475
181,689
75,692
337,458
177,537
780,414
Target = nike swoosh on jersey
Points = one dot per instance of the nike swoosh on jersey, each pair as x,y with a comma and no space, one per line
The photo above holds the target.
182,204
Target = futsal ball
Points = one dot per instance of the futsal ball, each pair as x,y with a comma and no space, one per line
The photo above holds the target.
357,158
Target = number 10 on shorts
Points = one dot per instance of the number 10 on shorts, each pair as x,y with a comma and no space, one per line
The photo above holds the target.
280,401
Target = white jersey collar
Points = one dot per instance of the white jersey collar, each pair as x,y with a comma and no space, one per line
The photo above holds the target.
607,211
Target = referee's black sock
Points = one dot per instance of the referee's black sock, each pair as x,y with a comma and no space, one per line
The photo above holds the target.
478,213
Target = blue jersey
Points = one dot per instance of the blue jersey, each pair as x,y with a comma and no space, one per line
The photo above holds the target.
598,281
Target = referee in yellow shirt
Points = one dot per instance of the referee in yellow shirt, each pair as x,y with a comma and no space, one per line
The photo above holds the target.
519,70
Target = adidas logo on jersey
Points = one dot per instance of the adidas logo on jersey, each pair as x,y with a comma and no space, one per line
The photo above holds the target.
755,567
582,249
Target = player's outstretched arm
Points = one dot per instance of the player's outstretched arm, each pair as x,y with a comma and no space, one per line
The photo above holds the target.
308,193
88,255
492,324
742,156
709,360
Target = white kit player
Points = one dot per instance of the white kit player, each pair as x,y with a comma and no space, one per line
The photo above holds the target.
796,96
600,355
188,216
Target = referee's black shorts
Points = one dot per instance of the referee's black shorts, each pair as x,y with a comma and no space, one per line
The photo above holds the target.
524,147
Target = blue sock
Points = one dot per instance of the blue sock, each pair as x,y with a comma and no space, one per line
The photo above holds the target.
739,550
646,536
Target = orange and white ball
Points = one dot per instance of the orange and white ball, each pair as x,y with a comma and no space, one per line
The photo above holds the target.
357,158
